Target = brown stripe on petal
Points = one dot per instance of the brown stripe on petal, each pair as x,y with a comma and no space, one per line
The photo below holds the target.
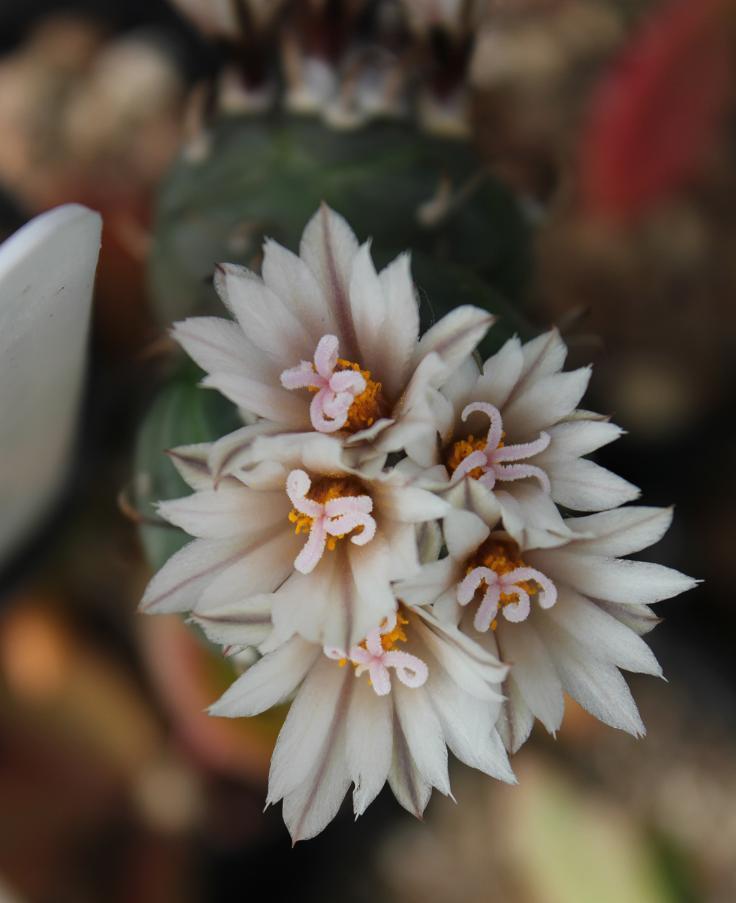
189,460
337,723
215,568
253,618
403,764
212,569
340,299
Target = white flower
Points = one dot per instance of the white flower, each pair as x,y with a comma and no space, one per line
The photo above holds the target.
287,531
565,618
322,342
512,441
46,276
386,710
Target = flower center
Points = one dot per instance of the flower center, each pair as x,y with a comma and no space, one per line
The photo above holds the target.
499,576
502,558
461,449
345,396
328,509
377,653
489,460
322,491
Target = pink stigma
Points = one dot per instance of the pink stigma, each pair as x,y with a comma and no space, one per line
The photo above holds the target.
492,460
335,390
336,517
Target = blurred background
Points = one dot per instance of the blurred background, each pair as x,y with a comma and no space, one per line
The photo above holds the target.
565,162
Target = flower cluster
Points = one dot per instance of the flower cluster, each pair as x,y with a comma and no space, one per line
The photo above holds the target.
387,532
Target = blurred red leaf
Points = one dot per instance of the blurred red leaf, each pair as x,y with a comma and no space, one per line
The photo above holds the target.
656,115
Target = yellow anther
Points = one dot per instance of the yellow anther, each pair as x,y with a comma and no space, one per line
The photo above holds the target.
460,450
322,491
367,407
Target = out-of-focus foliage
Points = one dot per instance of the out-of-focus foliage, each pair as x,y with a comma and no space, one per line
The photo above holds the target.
265,178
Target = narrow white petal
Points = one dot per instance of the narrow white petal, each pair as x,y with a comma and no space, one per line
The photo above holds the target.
464,533
310,451
423,732
309,767
219,346
225,512
500,374
597,686
416,417
374,599
544,403
269,682
446,608
238,621
369,743
455,336
543,356
267,322
368,307
533,671
402,547
576,438
401,329
621,532
469,728
264,400
611,579
601,634
191,461
319,708
263,564
517,723
459,389
431,581
302,603
473,496
233,451
639,618
290,278
531,517
411,505
328,247
181,581
471,666
410,787
585,486
311,807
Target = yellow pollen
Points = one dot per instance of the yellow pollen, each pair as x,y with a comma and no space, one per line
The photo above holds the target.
367,407
397,635
501,556
460,450
388,640
322,491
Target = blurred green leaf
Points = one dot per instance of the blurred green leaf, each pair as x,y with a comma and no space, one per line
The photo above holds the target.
266,177
577,846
